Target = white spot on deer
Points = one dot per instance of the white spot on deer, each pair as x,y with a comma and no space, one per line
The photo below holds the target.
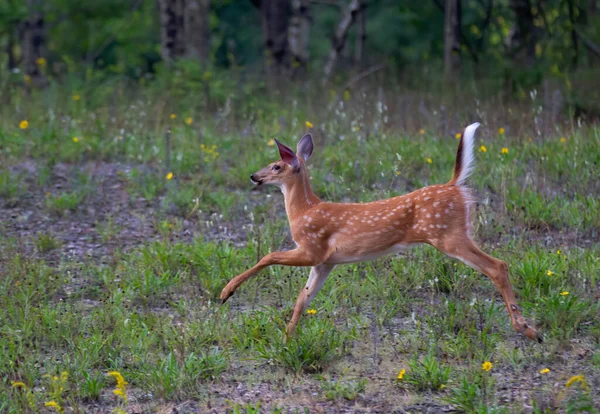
431,226
428,215
437,215
446,211
436,203
426,198
451,205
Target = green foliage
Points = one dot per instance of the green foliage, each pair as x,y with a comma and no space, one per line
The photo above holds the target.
427,373
317,343
64,202
338,389
46,242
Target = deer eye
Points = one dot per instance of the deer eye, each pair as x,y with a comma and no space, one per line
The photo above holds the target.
276,167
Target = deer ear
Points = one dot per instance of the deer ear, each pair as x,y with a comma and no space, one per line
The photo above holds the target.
305,147
287,155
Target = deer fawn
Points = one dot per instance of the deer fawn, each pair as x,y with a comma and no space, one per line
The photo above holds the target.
328,234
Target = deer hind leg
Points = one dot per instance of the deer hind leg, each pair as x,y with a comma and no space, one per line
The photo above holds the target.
316,279
467,251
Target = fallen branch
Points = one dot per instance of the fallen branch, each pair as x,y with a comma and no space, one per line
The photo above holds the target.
363,75
594,48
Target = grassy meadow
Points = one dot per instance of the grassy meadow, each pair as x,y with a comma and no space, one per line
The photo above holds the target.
125,209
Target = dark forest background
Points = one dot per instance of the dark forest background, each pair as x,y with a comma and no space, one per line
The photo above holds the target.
517,42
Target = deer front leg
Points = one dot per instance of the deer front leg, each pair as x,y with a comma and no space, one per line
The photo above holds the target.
316,279
296,257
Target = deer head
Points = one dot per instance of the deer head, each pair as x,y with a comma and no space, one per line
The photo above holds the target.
289,168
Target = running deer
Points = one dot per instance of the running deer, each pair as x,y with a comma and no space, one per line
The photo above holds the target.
328,234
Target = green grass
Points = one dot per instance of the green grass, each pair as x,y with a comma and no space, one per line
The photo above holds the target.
107,265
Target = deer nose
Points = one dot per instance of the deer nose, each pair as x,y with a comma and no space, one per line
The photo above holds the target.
255,180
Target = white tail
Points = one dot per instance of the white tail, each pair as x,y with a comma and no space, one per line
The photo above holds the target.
329,234
465,160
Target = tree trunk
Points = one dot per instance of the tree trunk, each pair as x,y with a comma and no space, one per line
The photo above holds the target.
298,34
361,32
521,43
339,39
197,30
452,32
275,19
573,32
172,34
33,44
10,49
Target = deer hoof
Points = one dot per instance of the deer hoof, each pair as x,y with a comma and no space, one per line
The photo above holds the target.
533,334
225,294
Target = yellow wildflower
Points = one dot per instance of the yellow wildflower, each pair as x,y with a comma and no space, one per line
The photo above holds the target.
544,371
574,379
172,116
458,135
356,128
401,373
486,366
501,131
564,293
23,124
549,272
55,405
346,95
121,383
188,120
442,386
563,140
308,124
41,61
311,311
27,79
120,392
75,140
429,161
76,97
397,172
482,149
504,150
421,131
169,176
18,384
558,251
271,142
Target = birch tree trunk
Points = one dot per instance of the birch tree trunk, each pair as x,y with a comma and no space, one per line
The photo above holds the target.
521,43
275,19
197,30
339,39
172,32
361,32
298,34
451,38
33,44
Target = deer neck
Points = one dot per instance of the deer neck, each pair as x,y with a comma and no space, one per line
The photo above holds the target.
299,196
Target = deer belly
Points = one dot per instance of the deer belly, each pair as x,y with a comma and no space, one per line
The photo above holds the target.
352,255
